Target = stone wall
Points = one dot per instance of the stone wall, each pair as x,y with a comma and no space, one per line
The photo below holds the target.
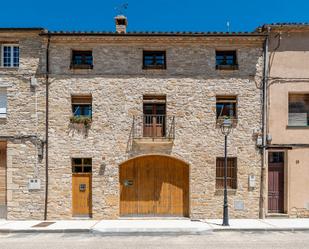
117,84
25,117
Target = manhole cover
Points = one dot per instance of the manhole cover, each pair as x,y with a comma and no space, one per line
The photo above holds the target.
43,224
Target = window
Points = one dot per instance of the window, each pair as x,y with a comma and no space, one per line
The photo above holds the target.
3,102
226,107
231,172
226,60
276,157
154,60
82,59
81,165
82,106
9,55
298,110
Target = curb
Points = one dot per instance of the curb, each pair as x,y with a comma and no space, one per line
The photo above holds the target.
82,230
151,233
108,233
296,229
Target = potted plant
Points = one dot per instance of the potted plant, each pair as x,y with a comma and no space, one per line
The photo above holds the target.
83,120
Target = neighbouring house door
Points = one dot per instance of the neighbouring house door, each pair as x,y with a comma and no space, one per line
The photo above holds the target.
3,204
276,182
154,186
154,120
81,194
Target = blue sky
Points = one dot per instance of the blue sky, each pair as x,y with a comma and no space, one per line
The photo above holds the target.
152,15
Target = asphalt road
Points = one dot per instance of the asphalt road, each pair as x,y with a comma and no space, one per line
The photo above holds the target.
217,240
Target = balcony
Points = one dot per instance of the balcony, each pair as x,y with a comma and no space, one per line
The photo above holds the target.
154,128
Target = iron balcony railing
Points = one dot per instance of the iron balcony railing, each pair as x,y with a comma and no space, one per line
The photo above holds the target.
154,126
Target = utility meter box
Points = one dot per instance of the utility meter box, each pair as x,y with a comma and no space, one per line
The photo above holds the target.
33,82
34,184
251,180
259,141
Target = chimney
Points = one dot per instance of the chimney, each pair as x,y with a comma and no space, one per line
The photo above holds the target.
121,24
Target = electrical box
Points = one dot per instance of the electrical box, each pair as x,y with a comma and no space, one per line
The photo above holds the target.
251,179
34,184
33,82
259,141
239,205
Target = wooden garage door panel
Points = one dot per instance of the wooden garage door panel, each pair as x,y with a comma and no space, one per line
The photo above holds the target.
128,201
145,186
160,187
179,193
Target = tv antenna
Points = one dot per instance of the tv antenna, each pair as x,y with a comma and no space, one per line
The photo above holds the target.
121,8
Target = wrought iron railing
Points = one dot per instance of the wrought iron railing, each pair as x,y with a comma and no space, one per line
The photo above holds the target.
154,126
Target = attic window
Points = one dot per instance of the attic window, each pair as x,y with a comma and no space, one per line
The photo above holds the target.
154,60
226,60
82,60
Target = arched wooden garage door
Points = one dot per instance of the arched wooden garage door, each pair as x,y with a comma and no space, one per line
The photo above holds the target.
154,186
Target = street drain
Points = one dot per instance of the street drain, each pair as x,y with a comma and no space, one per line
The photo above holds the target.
43,224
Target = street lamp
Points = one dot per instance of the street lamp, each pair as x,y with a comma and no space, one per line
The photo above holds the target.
226,128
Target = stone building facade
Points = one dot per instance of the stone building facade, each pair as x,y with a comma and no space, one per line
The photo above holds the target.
118,87
22,125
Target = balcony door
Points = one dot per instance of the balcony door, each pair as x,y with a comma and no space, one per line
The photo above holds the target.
154,118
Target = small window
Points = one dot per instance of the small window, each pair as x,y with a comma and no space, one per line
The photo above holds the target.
9,55
231,172
154,60
226,107
82,106
299,110
276,157
82,59
81,165
226,60
3,102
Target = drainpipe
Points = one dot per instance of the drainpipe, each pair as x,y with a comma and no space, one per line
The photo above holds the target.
46,127
264,127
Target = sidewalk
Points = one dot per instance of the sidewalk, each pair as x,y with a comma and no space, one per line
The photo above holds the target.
133,227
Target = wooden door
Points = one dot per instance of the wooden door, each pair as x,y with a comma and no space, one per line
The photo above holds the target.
276,183
154,120
154,186
3,180
81,195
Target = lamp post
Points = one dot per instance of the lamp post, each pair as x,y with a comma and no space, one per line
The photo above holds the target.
226,128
